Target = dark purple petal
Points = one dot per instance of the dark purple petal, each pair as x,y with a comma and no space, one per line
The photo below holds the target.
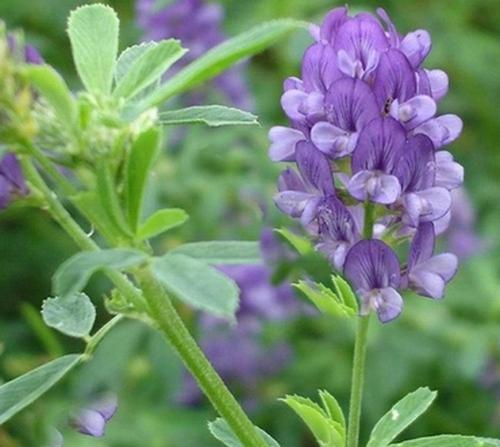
319,68
11,170
379,146
394,36
416,46
372,264
332,22
283,141
289,180
394,79
350,104
32,56
375,186
441,130
422,244
4,193
314,167
416,168
449,174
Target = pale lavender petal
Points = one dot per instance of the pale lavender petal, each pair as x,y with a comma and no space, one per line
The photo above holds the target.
291,101
292,202
375,186
372,264
438,81
107,406
430,277
442,224
289,180
426,206
379,146
416,46
422,244
283,141
310,211
90,422
332,140
441,130
415,111
293,83
449,173
388,304
394,36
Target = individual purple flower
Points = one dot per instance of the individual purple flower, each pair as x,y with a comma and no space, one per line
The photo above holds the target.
12,183
366,103
373,269
427,273
198,25
92,420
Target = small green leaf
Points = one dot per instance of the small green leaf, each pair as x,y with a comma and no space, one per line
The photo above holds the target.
333,409
73,315
161,221
449,441
223,56
143,153
93,32
327,432
197,284
401,416
22,391
344,291
147,67
324,299
73,274
222,252
222,431
53,88
210,115
299,243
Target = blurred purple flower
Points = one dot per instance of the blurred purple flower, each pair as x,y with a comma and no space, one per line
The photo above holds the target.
92,420
12,182
368,106
198,25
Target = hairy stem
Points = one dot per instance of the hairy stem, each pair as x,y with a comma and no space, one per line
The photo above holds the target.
164,313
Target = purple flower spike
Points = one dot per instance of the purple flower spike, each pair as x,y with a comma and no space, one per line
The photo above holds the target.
428,274
373,269
92,420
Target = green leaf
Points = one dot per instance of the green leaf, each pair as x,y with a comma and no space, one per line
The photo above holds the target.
325,300
143,153
223,56
213,116
73,315
327,432
401,416
161,221
146,66
299,243
53,88
333,409
197,284
73,274
450,441
93,33
22,391
222,252
344,291
222,431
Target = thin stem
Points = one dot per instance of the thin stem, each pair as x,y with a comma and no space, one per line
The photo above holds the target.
357,381
175,331
166,316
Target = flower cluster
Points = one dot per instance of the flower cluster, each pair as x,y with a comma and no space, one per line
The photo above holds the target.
368,147
237,352
198,25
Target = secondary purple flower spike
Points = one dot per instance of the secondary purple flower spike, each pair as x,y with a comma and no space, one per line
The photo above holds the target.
198,25
93,419
373,269
363,119
12,182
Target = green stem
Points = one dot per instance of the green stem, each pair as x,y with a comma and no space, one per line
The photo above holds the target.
357,381
166,316
163,311
358,368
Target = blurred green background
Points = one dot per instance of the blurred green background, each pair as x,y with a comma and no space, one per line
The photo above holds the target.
223,179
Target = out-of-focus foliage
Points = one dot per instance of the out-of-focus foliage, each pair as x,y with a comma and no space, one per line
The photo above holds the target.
223,179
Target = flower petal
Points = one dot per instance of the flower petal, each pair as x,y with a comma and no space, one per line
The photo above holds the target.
291,102
332,140
449,174
289,180
283,141
374,186
332,22
438,81
415,111
441,130
90,422
430,277
388,304
292,203
422,245
319,68
314,167
416,46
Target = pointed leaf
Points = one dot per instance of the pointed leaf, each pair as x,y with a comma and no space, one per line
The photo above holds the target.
450,441
213,116
143,153
73,315
147,68
324,299
299,243
223,56
222,431
161,221
344,292
401,416
22,391
93,33
222,252
55,91
72,275
333,408
197,284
